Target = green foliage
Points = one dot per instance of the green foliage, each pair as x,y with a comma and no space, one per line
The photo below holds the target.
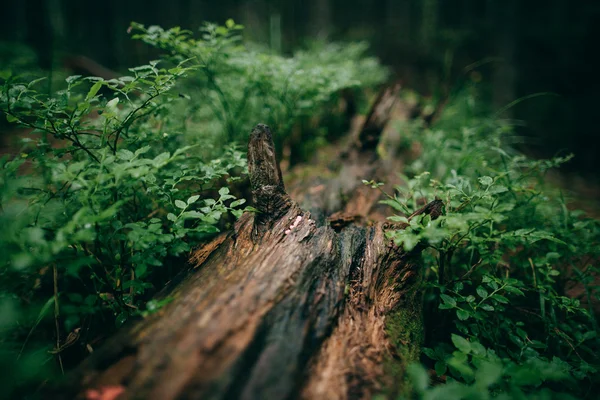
237,85
116,179
500,322
104,197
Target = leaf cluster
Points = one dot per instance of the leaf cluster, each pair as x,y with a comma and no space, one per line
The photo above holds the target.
237,84
97,209
500,263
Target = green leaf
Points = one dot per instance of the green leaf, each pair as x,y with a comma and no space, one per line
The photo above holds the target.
121,318
224,191
93,90
486,180
477,349
192,214
236,203
11,118
180,204
71,79
162,158
500,299
140,270
448,300
440,368
22,260
154,305
488,373
397,218
125,155
462,315
482,292
497,189
171,217
461,343
142,150
553,272
418,376
113,103
43,311
525,376
193,199
588,335
396,205
514,290
430,353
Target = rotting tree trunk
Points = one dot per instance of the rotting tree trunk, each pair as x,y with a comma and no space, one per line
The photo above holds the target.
292,303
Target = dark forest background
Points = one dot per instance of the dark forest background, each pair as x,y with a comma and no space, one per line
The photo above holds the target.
514,48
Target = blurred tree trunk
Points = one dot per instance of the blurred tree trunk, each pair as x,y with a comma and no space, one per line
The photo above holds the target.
399,21
429,23
320,22
255,17
504,21
39,31
13,21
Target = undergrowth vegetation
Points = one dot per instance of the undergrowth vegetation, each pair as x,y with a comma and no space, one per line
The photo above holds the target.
238,85
511,289
116,179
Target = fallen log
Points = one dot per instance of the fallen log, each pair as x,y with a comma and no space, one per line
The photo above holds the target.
294,302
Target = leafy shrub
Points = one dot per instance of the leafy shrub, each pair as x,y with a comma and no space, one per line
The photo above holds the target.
238,84
102,197
499,320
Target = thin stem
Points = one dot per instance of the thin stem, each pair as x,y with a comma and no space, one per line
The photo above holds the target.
56,317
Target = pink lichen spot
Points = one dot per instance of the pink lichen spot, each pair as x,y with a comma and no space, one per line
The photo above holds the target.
294,225
296,222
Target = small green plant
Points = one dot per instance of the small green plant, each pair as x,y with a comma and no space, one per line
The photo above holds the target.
499,320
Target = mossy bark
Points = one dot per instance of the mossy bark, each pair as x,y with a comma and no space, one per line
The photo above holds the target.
405,331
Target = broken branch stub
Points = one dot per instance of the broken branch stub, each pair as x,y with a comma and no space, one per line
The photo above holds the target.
266,181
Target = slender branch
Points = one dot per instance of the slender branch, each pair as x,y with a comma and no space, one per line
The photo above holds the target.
129,119
56,315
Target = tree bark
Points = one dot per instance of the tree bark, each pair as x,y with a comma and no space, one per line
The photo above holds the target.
294,302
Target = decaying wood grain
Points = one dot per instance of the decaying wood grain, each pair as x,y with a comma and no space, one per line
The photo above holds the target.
268,190
292,303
